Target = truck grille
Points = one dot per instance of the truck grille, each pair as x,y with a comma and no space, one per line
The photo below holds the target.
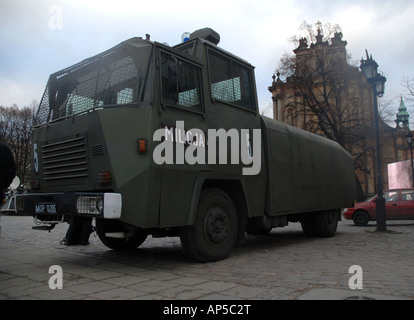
65,162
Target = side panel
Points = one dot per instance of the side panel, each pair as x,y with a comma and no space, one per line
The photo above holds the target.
136,180
175,199
309,170
306,172
280,187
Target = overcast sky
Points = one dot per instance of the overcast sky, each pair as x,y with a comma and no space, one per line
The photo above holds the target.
34,42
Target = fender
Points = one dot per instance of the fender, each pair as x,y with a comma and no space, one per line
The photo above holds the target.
210,179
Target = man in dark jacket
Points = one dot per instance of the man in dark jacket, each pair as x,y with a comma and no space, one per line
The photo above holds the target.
7,169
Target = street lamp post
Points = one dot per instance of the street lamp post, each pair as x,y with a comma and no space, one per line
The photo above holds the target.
410,143
377,81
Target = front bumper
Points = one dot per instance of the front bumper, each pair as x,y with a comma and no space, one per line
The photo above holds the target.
347,213
102,205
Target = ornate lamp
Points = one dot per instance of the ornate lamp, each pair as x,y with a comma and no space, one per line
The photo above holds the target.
377,81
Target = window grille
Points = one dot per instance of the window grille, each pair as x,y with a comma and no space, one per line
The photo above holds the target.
187,47
181,84
230,81
109,78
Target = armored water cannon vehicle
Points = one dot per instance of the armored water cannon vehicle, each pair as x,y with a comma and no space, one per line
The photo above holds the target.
149,139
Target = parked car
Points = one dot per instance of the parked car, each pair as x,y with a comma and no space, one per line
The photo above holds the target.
399,205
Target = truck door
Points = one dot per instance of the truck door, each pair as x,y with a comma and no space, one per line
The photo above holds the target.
182,119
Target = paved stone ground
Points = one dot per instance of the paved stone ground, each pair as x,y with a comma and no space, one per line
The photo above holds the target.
282,265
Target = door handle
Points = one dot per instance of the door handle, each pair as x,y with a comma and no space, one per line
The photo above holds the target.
395,205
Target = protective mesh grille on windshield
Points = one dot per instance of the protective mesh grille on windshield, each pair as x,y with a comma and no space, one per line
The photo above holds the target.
109,78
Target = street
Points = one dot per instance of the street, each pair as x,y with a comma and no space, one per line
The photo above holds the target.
284,265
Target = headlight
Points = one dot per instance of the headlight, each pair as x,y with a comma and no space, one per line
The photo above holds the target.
89,205
99,204
109,204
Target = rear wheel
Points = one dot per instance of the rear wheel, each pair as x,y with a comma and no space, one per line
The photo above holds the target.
214,232
308,225
326,223
320,224
132,238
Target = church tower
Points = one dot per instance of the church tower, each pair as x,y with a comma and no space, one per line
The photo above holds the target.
402,120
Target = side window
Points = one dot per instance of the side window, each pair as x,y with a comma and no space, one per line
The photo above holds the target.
231,81
407,195
181,83
391,195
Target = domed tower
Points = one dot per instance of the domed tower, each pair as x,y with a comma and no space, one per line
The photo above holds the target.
402,116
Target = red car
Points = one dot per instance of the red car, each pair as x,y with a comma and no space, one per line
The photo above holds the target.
399,205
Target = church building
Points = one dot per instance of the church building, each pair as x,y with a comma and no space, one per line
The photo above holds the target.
326,95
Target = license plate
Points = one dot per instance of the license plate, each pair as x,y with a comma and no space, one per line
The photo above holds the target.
45,208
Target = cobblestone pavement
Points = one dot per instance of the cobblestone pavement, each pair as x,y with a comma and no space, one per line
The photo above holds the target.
282,265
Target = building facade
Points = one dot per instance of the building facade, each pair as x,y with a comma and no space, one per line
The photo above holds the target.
326,95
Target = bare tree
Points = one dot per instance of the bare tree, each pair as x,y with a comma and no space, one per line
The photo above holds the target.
323,92
15,130
408,85
267,111
311,32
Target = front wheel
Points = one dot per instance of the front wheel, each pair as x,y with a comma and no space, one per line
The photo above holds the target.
214,232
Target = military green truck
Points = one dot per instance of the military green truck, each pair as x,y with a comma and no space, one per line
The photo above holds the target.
149,139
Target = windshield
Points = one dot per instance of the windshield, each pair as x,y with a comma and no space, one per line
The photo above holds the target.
114,77
391,195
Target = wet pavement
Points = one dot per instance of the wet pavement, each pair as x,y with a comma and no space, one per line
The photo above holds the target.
284,265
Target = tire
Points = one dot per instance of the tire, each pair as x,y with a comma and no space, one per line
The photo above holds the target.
214,232
308,225
262,232
360,218
326,223
320,224
133,241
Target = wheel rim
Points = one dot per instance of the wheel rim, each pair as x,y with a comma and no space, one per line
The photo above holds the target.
216,226
360,218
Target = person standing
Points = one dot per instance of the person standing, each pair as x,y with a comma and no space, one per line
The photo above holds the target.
7,169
